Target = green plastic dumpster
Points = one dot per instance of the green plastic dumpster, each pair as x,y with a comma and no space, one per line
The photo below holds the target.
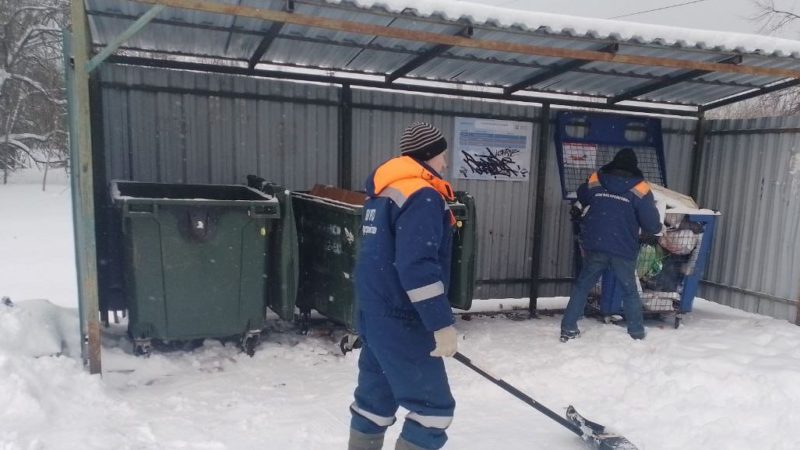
328,223
283,260
196,261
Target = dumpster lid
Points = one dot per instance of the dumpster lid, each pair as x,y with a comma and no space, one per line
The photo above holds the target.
341,197
327,201
127,191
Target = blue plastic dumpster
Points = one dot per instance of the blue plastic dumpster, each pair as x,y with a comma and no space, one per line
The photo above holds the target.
671,266
660,296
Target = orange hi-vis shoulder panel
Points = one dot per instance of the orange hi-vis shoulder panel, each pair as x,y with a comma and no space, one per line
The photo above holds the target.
641,189
401,177
594,180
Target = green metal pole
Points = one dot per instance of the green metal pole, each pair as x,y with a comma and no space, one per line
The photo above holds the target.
72,125
132,30
538,217
83,187
697,157
346,137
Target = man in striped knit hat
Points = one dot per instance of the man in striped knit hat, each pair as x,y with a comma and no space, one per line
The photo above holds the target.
402,278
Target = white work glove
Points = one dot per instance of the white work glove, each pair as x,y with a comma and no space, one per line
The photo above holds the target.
661,206
446,342
662,230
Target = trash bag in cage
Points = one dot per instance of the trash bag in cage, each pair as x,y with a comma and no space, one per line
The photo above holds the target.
649,262
679,242
671,275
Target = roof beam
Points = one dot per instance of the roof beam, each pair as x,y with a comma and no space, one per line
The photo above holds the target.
130,32
269,38
426,56
298,76
231,30
459,41
166,53
667,81
556,70
380,48
749,94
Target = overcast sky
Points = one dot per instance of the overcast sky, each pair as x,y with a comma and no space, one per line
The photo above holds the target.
723,15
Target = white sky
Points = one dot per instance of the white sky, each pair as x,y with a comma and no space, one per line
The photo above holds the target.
723,15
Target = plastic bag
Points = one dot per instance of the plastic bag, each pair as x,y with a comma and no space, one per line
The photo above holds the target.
649,262
679,242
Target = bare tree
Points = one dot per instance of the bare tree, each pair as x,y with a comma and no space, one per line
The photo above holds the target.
773,17
779,103
32,104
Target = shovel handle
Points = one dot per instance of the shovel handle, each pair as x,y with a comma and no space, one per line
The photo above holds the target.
519,394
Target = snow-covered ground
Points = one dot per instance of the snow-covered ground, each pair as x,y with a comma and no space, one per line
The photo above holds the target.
37,258
725,380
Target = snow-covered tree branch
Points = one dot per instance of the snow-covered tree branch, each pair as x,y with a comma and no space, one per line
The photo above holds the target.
33,36
52,95
32,101
19,141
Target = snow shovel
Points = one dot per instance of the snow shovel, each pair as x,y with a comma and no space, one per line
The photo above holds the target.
592,433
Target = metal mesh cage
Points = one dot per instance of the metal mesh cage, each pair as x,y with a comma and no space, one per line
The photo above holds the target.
577,172
585,142
663,264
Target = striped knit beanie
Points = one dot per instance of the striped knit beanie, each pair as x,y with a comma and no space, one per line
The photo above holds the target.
422,141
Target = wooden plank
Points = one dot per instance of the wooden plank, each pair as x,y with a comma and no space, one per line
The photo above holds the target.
458,41
339,194
83,201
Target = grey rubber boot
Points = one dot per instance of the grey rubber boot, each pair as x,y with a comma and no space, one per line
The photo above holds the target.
403,444
363,441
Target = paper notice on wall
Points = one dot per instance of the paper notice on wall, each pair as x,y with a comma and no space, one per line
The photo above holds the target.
487,149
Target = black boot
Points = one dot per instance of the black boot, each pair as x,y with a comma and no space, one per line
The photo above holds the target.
403,444
567,335
364,441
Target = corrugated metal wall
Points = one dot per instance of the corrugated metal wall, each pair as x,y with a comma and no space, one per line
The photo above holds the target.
505,210
173,126
679,136
186,127
751,173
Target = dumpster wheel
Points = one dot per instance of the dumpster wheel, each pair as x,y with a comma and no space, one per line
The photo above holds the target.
349,342
305,321
142,347
249,342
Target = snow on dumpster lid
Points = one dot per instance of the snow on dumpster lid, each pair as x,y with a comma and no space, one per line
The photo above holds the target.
587,27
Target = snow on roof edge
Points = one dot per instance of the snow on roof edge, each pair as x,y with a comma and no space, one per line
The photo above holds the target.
575,26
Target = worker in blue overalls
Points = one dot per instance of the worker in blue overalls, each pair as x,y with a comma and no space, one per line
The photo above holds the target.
402,278
614,204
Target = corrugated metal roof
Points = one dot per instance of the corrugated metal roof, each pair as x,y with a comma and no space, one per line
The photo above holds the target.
581,27
201,34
